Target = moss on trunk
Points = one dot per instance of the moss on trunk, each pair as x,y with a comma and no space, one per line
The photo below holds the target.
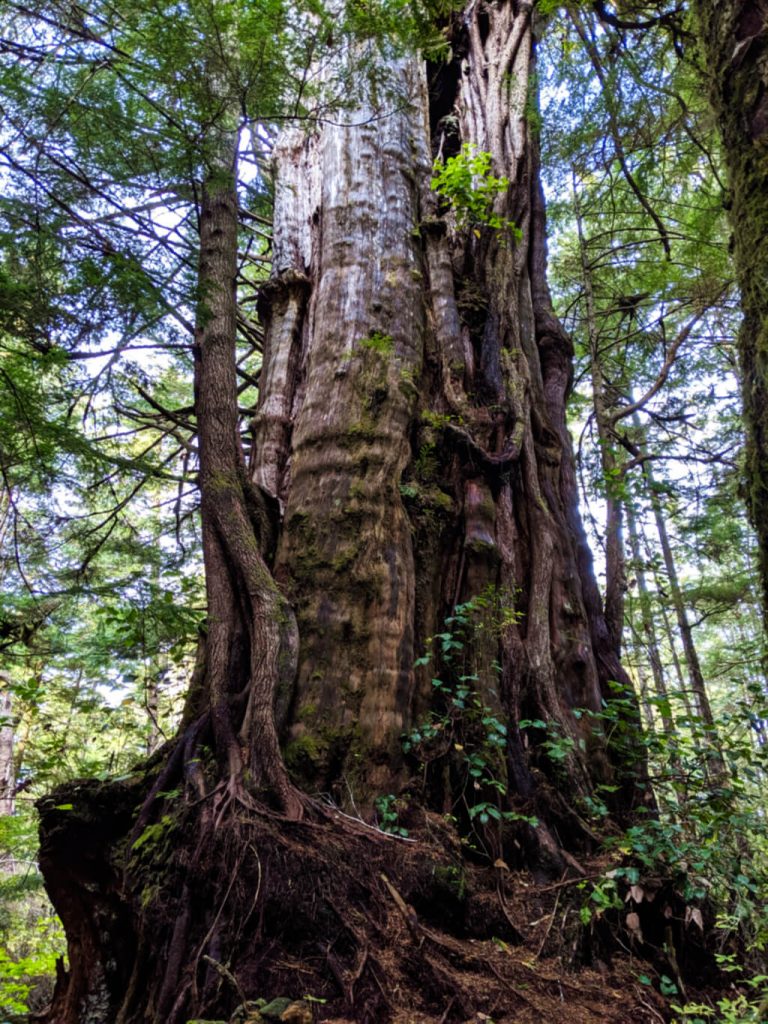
734,44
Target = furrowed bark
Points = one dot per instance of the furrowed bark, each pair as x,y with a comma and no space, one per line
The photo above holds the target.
408,351
346,362
734,47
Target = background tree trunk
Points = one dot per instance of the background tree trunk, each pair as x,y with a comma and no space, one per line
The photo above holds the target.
7,759
734,44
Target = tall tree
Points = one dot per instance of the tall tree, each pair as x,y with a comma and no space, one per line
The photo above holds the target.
410,476
7,774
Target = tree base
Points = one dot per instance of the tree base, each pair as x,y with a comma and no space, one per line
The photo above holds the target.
215,904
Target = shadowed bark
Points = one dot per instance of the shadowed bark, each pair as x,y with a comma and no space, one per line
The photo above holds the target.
734,46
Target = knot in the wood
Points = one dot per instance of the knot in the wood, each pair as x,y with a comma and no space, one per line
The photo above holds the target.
479,517
279,290
433,226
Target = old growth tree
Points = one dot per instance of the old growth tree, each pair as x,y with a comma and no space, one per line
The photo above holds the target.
410,477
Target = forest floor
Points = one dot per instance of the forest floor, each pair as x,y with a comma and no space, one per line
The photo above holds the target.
500,982
331,920
422,937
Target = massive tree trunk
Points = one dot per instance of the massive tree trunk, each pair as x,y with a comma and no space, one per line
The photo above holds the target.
411,464
734,44
412,424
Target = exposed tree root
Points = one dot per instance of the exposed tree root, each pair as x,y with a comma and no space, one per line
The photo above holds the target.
372,928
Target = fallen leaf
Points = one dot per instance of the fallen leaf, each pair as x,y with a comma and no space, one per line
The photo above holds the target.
633,924
636,893
694,914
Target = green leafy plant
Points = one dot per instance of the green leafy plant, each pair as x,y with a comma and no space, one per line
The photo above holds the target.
383,344
466,182
709,841
388,812
462,723
746,1007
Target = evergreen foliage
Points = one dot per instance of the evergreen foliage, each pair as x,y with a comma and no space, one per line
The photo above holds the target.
112,121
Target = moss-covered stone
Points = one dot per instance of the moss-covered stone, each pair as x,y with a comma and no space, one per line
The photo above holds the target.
275,1009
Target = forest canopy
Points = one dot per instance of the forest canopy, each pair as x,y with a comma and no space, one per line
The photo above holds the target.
382,509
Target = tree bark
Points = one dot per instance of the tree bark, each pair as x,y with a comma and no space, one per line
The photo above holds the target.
250,643
410,459
734,45
425,456
7,760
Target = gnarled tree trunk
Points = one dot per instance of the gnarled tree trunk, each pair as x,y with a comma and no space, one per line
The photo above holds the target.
412,422
410,463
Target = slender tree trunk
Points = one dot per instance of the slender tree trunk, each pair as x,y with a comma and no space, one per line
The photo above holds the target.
250,643
153,677
613,476
648,626
248,647
695,674
711,742
7,762
683,686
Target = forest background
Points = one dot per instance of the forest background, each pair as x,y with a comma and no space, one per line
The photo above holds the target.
102,587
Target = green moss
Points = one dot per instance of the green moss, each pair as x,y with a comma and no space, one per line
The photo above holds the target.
440,500
480,546
407,383
148,896
425,465
220,483
383,344
451,880
436,420
362,430
302,755
425,497
344,560
154,833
